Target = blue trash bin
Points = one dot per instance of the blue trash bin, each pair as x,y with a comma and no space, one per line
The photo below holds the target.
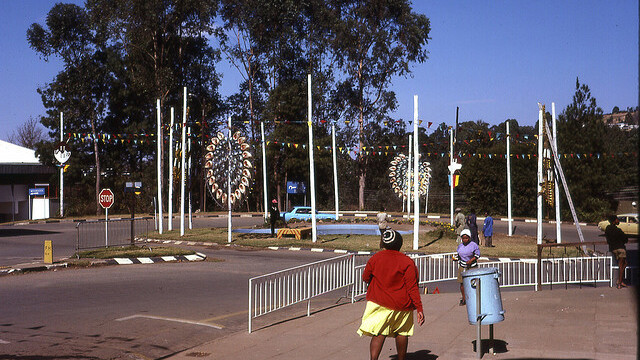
490,299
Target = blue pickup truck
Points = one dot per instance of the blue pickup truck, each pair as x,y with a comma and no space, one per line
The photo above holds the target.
304,213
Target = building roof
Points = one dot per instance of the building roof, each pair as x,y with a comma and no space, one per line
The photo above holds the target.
14,154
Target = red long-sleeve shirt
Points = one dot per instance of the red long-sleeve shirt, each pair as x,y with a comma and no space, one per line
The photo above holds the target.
393,281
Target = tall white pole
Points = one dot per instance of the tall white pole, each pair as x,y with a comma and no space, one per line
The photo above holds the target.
170,204
335,169
557,187
409,176
159,169
416,155
264,172
539,187
509,218
312,175
451,173
61,169
182,160
426,200
229,181
189,176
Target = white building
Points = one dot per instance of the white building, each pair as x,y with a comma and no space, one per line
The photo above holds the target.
21,170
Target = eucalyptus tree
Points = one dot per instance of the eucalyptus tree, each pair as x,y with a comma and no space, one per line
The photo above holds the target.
373,42
80,89
162,45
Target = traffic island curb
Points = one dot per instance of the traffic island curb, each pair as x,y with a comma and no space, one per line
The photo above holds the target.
156,259
21,269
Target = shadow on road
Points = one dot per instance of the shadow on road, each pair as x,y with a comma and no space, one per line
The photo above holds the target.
24,232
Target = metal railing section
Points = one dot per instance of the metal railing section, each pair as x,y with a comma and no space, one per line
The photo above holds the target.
277,290
280,289
576,270
94,234
514,273
436,267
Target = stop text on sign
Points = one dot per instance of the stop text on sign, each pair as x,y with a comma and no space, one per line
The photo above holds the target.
106,198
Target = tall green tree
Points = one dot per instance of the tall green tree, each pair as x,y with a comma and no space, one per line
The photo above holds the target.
80,90
374,41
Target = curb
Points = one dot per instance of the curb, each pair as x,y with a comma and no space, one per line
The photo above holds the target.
115,261
158,259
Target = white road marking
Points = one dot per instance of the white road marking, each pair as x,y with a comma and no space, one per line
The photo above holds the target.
4,342
168,319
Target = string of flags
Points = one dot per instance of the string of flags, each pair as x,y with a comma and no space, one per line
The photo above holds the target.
379,150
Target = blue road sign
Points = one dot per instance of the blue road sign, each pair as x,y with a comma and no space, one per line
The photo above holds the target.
296,187
36,191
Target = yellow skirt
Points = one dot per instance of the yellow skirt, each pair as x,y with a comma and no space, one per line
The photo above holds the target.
378,320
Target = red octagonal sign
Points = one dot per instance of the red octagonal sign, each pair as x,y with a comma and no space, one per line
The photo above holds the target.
105,198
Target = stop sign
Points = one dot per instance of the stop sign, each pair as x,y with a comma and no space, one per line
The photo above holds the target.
105,198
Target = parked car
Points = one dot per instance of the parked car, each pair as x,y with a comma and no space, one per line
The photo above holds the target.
304,213
628,223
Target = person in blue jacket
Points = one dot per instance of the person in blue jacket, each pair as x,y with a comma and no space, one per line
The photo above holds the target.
487,230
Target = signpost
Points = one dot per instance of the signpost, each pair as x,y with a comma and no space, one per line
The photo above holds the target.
106,198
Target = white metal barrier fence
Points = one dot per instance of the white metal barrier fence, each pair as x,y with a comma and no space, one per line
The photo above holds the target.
280,289
277,290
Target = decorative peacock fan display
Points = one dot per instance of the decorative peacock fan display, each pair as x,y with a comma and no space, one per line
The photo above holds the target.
218,169
401,176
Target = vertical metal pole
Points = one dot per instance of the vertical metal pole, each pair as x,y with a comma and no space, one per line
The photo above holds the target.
250,302
312,175
557,186
229,181
159,140
416,155
106,227
509,218
264,172
61,168
478,320
189,176
335,169
539,182
170,204
451,173
426,200
408,193
182,150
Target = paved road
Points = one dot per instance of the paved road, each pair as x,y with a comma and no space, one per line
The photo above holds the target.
132,311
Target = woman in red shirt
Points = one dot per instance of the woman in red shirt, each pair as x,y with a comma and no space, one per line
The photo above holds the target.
392,296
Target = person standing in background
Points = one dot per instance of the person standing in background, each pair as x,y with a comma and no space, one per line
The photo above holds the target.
382,220
459,222
472,225
274,215
487,230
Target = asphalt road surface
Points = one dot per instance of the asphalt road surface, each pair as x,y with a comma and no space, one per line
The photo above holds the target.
133,311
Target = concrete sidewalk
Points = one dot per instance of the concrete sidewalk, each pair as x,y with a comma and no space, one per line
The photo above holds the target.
587,323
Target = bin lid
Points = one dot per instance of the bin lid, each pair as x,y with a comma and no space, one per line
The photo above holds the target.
479,272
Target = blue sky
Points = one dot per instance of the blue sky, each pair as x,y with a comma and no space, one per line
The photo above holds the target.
494,59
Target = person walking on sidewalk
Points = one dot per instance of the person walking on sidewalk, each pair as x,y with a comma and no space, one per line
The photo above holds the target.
487,230
468,254
392,296
616,238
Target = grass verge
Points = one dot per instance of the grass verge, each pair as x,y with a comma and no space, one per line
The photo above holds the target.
432,240
133,252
